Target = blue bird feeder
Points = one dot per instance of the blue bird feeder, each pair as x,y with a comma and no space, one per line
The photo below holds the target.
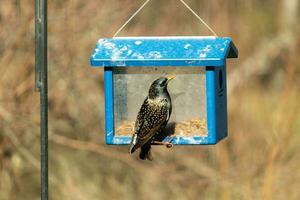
199,92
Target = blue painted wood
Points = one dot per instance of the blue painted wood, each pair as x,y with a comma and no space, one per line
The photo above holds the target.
163,51
125,140
221,103
211,104
109,105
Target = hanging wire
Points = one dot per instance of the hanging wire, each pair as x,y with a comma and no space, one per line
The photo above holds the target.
198,17
130,18
182,1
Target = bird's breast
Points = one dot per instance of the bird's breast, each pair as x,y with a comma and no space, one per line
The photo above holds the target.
158,102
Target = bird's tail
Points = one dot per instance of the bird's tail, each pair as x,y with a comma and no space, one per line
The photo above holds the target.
146,152
133,143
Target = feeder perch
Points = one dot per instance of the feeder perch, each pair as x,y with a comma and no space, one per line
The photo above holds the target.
198,92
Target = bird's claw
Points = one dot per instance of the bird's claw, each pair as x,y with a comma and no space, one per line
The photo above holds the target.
168,144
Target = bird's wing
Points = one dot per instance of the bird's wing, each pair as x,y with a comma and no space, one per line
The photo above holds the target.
149,120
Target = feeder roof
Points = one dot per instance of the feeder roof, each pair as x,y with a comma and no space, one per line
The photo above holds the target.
163,51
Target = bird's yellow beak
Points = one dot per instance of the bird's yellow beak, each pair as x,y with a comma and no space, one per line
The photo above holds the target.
170,78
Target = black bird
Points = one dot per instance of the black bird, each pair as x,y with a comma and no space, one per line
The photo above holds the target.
152,118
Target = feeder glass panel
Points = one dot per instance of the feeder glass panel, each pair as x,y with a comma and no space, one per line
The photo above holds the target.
187,91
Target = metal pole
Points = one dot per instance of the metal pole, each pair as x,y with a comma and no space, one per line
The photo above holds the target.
41,85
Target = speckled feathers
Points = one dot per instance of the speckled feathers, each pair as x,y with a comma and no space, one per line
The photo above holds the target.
153,115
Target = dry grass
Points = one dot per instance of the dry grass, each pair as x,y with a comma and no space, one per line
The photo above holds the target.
259,159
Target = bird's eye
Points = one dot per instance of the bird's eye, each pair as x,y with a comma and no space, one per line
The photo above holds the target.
162,83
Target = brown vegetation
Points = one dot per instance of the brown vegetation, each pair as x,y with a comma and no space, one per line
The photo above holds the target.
259,159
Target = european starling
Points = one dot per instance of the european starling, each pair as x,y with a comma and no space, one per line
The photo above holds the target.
152,118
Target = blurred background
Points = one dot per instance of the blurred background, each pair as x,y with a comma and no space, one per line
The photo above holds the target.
260,158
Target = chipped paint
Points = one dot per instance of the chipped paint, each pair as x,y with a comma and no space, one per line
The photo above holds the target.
137,55
124,48
129,52
109,45
187,46
100,41
154,55
176,140
138,42
110,133
202,55
119,63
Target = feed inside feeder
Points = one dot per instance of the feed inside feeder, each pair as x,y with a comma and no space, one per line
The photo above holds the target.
198,93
